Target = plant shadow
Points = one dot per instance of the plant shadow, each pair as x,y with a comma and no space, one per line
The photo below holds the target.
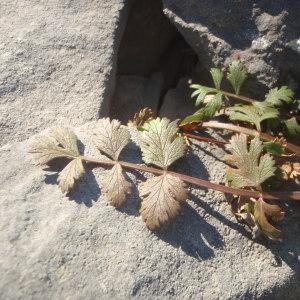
86,190
192,234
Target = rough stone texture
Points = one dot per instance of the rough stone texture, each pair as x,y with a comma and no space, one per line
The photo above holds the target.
177,103
259,30
53,247
57,62
133,93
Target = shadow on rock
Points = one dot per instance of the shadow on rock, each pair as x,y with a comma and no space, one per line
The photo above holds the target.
132,204
86,190
215,214
192,234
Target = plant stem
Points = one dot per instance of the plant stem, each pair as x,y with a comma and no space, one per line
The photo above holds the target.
243,98
204,139
252,132
197,181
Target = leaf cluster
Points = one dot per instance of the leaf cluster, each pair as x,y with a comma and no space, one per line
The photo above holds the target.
273,111
161,145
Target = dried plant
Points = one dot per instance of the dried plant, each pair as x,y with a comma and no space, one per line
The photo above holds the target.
162,195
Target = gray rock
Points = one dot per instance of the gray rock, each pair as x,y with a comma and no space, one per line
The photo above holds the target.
258,30
177,103
57,247
133,93
57,62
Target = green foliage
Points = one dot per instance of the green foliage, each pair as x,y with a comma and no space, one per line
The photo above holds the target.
217,76
237,75
253,114
201,91
292,127
274,147
278,96
253,168
269,110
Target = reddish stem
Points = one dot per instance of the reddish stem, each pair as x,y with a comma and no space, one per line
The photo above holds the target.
197,181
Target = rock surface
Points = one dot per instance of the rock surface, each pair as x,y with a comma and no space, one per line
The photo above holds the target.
133,93
259,30
57,62
54,247
177,103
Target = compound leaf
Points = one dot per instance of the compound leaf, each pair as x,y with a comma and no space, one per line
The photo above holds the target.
217,76
68,176
201,91
277,96
237,74
61,142
160,143
253,168
115,186
252,114
162,199
263,211
110,137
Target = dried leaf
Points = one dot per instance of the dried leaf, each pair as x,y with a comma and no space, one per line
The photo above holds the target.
162,199
263,211
237,74
110,137
277,96
62,142
141,117
290,170
68,176
115,186
253,167
160,143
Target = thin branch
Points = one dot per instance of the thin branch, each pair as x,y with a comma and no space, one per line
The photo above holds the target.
252,132
197,181
239,97
204,139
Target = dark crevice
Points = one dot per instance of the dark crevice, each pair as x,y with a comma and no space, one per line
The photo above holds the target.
153,57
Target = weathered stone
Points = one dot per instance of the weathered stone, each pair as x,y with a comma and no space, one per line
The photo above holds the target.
54,247
259,31
177,103
134,93
57,62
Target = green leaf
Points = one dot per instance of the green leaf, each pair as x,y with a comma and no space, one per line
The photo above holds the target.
237,74
262,211
160,143
195,118
217,76
292,127
201,91
274,148
253,168
277,96
252,114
